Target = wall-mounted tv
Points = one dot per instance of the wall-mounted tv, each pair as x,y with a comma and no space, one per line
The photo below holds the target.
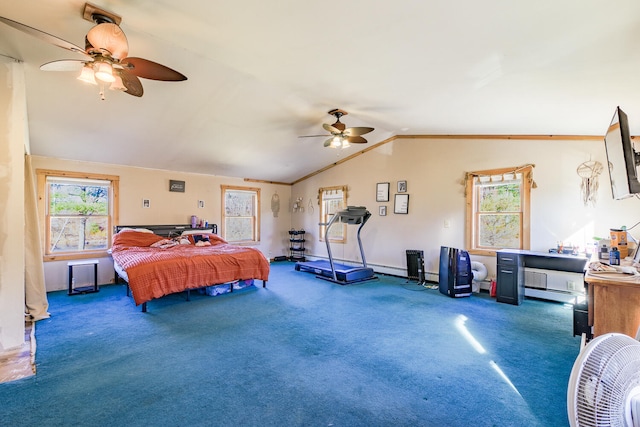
622,159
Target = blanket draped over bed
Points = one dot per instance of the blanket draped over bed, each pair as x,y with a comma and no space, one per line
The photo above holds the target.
157,271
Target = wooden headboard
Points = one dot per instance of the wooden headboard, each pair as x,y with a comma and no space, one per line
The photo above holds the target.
171,230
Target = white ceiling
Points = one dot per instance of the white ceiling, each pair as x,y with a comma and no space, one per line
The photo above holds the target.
261,73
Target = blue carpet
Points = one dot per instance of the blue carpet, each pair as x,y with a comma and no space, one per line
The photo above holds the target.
301,352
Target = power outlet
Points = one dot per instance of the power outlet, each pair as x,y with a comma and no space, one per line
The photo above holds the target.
447,223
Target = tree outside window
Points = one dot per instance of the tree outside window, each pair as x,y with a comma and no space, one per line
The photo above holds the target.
240,214
498,209
78,213
332,200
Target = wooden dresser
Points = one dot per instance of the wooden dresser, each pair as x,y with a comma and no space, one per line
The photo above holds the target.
614,303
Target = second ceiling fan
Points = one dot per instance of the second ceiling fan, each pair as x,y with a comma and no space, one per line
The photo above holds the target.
106,61
342,136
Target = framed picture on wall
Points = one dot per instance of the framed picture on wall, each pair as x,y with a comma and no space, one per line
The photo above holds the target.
146,203
382,192
401,204
402,186
382,211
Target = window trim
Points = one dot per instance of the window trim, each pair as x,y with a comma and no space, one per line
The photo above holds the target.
223,228
471,214
323,221
114,209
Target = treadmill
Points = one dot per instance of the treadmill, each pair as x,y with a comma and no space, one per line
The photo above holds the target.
335,272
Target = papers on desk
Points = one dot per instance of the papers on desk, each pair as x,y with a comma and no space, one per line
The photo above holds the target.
606,271
614,275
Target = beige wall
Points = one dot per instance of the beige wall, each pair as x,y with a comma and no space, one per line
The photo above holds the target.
170,208
12,149
434,170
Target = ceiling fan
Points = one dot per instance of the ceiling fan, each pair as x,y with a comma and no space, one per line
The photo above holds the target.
106,63
342,136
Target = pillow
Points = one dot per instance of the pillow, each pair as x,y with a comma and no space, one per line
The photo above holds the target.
214,239
140,230
135,238
186,232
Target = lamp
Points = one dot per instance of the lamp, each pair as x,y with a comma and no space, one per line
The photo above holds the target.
339,141
117,84
87,75
336,142
104,72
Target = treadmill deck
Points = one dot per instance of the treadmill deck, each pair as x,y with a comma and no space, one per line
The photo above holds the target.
345,274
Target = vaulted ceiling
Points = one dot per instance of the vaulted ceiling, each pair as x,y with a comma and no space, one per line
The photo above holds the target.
261,74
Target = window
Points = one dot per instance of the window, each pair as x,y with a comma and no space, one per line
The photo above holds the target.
240,214
79,213
498,207
332,199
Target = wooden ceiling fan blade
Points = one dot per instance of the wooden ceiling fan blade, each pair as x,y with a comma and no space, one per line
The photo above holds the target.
64,65
132,83
330,128
110,37
356,140
152,70
46,37
357,131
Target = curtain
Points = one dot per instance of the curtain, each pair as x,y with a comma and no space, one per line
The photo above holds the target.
36,303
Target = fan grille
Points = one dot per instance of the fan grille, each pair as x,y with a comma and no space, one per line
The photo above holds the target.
608,375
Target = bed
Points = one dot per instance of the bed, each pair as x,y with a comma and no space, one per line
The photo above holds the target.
160,260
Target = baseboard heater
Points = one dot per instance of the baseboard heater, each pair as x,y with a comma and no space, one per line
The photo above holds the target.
561,286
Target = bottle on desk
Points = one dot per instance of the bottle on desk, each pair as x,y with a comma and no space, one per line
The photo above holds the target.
614,256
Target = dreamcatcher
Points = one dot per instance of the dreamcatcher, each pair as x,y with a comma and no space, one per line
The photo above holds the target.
589,172
275,204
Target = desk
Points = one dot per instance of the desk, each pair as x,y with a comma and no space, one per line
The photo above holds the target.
560,276
614,304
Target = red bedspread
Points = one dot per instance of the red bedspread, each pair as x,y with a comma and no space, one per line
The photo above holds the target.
155,272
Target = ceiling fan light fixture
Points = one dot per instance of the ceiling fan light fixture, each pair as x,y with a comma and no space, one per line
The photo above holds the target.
117,84
336,142
87,75
345,144
104,72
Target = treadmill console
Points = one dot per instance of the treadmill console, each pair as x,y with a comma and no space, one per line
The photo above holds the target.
354,215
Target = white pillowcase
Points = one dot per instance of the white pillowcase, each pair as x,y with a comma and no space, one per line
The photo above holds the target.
140,230
186,232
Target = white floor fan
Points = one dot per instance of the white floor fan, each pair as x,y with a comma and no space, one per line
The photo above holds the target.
604,387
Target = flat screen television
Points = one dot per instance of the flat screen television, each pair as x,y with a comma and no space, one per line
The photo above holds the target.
622,159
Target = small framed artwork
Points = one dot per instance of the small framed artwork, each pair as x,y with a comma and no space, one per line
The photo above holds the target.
146,203
401,204
382,211
200,204
402,186
177,186
382,192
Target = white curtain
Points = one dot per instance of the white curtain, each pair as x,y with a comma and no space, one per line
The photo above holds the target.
36,303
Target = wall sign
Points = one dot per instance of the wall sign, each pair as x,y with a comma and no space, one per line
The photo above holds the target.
401,204
382,192
176,186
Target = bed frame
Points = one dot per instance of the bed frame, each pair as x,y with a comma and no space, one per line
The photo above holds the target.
171,230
